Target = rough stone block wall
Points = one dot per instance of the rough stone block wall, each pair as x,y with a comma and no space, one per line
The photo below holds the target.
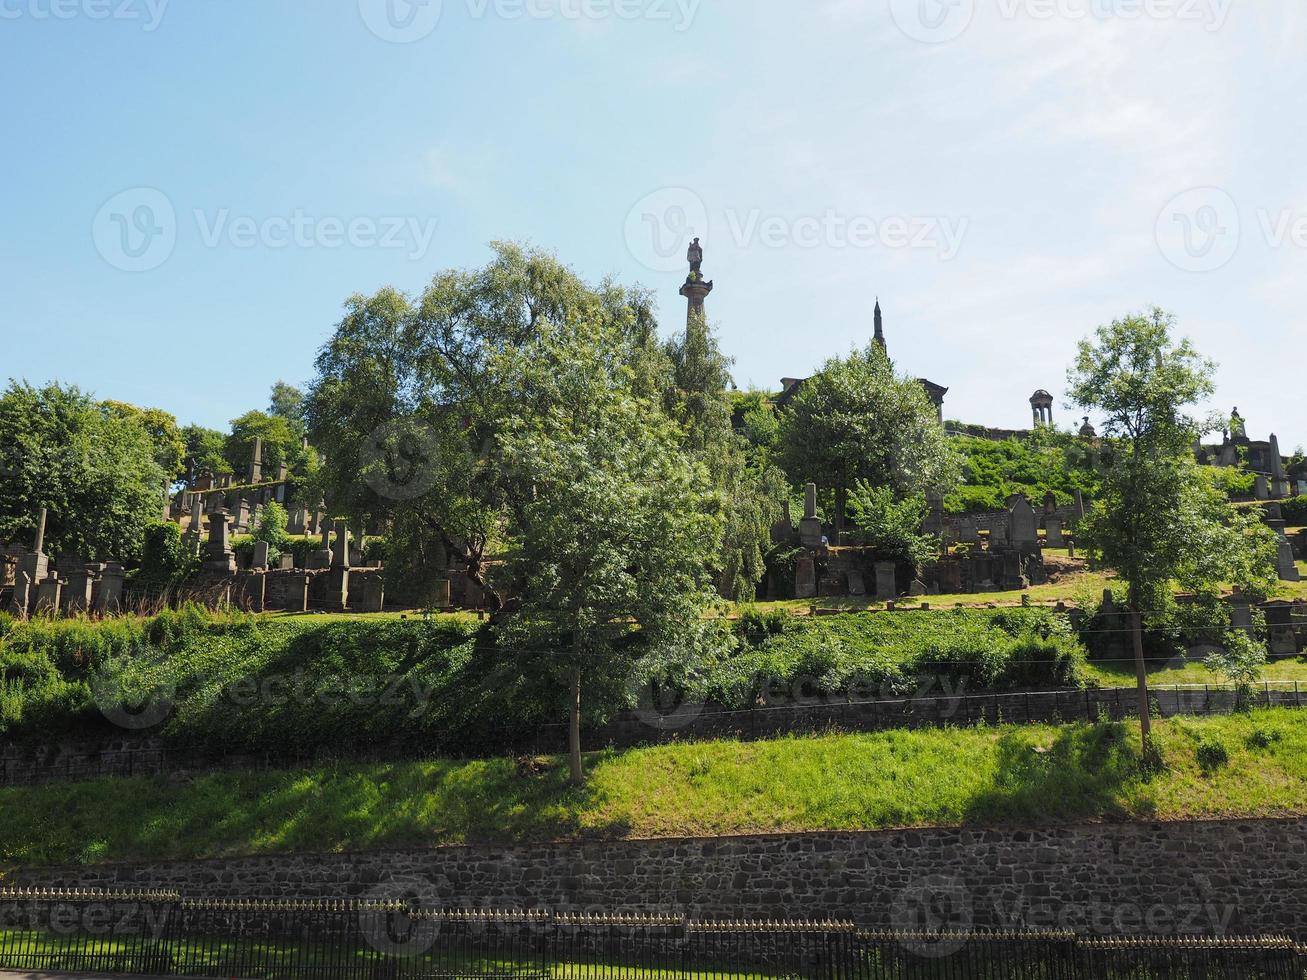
1219,877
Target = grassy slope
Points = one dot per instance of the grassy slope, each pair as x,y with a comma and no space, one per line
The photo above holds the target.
980,776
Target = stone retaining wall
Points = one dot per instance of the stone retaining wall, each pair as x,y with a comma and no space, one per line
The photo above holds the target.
1172,878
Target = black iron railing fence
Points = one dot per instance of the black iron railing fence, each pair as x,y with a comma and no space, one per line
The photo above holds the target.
162,934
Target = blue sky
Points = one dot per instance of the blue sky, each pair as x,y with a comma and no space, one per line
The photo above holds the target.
192,188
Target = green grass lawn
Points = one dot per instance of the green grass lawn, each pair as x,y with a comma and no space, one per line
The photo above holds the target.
1121,673
982,776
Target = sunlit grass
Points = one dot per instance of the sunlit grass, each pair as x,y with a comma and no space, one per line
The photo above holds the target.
977,776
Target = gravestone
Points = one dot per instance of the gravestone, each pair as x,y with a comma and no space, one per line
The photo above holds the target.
1053,525
108,595
805,578
374,594
856,585
1261,488
340,554
1279,629
218,556
287,562
1285,565
322,557
1080,507
76,598
1022,525
968,533
886,581
49,593
810,526
261,549
256,461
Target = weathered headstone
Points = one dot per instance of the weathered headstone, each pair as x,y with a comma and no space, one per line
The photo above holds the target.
108,595
1285,565
968,533
856,585
886,580
218,556
1022,524
805,578
260,560
256,461
1080,507
810,526
49,594
340,555
1261,487
1053,527
374,594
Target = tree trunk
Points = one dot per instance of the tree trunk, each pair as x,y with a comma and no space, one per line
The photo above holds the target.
574,732
1141,676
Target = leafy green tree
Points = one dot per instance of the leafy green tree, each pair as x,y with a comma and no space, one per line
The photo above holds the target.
611,526
281,443
1157,520
405,407
857,420
204,451
272,526
95,467
287,402
170,444
892,527
699,400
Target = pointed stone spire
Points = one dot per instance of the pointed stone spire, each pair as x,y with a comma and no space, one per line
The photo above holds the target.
880,327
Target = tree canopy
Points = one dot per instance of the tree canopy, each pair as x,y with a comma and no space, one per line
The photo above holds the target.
94,465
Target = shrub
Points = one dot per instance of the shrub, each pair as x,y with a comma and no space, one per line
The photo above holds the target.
1295,511
1212,754
165,563
1263,738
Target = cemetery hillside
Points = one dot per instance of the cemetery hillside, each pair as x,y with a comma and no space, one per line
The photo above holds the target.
518,575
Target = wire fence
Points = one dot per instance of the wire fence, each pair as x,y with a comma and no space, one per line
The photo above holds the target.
157,934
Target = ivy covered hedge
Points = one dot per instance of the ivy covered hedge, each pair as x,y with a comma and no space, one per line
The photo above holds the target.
1045,462
238,683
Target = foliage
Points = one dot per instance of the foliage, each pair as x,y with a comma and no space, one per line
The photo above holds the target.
1212,754
204,452
94,467
282,443
169,443
1295,511
1158,521
406,406
165,563
1233,481
287,402
892,528
611,526
857,420
272,526
698,399
1047,461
